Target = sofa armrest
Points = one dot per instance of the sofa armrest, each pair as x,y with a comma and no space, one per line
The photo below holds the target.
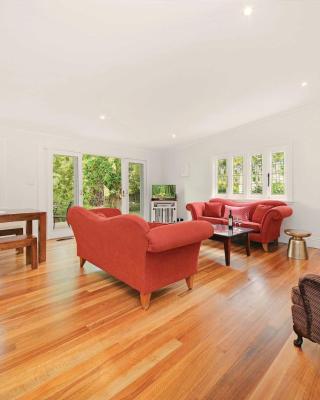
169,237
278,213
196,209
271,223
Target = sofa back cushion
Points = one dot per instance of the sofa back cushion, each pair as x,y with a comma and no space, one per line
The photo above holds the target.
259,212
212,209
242,213
251,204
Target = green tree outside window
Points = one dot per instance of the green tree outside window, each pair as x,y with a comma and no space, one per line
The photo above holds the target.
222,176
237,175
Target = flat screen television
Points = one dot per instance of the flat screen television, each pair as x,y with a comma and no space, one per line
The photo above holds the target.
164,192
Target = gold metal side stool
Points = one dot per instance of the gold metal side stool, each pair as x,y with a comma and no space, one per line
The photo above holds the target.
297,247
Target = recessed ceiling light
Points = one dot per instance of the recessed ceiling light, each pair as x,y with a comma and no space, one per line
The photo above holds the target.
173,136
102,117
247,11
304,84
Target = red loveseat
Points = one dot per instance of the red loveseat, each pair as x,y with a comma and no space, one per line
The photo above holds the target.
144,256
264,216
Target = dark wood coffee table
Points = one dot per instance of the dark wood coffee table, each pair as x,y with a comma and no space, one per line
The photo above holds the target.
223,234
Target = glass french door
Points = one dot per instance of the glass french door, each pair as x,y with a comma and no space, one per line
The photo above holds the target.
93,181
134,187
101,181
65,191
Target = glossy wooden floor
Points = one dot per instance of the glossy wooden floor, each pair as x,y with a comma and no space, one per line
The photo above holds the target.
72,334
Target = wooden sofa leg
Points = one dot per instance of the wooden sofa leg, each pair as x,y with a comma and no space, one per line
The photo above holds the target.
145,300
189,282
82,262
265,247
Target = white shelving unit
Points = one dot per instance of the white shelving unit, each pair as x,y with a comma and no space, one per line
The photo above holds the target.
164,211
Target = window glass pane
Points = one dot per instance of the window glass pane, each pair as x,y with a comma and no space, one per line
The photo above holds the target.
101,181
136,190
278,173
256,174
222,175
237,175
64,188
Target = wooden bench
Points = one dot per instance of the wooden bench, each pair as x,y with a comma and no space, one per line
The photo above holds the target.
11,232
20,241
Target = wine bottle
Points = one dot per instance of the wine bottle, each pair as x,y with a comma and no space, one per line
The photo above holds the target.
230,220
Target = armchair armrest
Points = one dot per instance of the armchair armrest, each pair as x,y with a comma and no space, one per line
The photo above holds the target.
169,237
312,279
196,209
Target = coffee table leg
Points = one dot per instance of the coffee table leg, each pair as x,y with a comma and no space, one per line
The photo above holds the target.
227,247
248,246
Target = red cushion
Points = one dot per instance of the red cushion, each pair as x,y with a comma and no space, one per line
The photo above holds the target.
260,212
237,212
212,210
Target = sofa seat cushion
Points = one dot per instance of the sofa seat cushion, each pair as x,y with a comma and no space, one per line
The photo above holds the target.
212,209
213,220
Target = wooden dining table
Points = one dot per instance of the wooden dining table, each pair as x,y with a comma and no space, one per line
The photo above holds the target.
29,216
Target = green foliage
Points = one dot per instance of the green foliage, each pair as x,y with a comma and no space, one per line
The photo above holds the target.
278,185
222,176
237,176
135,181
101,181
63,183
256,174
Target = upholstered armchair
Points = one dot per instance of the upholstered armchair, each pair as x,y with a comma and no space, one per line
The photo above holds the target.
145,256
306,309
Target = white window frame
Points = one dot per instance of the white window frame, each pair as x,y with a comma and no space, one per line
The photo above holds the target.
266,168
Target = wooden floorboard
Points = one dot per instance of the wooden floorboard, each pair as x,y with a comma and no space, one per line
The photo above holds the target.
71,333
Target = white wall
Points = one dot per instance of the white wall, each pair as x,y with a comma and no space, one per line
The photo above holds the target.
24,164
299,128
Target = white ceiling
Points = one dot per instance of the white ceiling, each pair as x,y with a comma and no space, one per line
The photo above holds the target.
154,67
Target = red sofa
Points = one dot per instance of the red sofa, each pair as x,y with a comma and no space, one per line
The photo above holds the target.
144,256
264,216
